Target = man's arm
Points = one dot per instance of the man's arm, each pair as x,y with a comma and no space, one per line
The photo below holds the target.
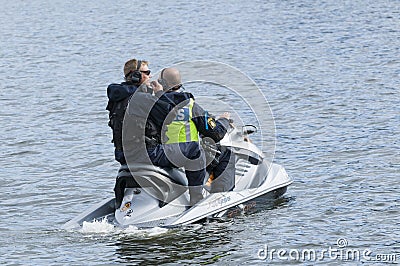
208,126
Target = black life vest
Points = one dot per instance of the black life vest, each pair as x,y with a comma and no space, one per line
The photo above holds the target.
119,96
118,99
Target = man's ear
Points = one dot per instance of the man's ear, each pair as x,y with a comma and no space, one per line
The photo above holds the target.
163,84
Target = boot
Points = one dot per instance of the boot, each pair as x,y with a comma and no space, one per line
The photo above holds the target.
196,194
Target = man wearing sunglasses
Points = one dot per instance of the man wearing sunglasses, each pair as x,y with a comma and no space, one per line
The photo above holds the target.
137,78
180,133
134,112
137,73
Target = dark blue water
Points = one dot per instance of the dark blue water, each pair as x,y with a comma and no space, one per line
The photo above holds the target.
330,71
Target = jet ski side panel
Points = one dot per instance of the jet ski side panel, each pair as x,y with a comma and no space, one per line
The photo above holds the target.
140,208
277,178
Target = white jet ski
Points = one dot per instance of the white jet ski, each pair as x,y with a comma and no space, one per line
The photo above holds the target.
162,197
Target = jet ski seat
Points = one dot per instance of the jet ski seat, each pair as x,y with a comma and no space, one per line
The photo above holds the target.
166,184
175,174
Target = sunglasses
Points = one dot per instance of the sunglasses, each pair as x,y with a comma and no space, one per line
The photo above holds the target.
147,72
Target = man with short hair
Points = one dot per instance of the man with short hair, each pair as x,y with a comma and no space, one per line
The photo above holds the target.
137,79
180,134
146,115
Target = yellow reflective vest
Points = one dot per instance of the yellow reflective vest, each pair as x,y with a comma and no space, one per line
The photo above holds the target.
182,129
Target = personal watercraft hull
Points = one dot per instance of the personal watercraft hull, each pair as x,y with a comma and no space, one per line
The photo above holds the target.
160,202
216,205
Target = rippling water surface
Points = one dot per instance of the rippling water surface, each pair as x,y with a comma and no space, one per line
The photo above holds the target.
330,71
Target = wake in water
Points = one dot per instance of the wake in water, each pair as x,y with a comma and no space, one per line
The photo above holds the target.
104,227
97,226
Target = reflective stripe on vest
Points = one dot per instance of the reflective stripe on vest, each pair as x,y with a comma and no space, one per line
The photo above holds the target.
183,129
